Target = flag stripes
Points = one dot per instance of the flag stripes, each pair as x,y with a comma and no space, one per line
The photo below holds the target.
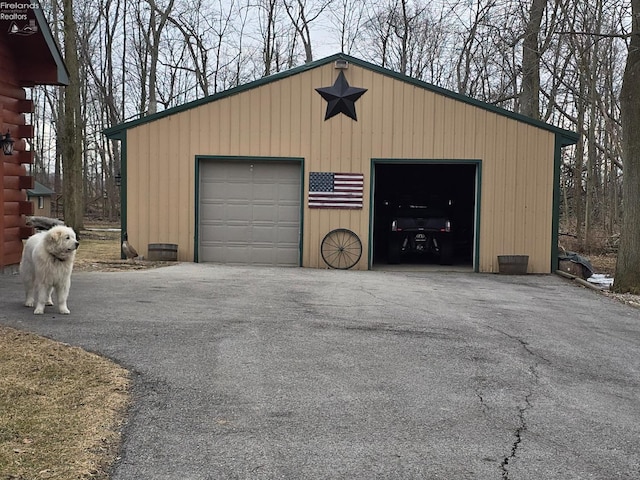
335,190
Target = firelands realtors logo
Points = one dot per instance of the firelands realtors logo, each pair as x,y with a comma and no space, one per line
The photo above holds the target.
16,14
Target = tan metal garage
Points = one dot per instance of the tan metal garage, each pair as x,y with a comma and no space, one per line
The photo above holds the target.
355,136
249,211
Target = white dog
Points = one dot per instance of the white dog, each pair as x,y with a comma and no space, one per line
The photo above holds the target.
47,262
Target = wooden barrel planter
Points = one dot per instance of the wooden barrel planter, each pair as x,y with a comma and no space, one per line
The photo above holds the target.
167,252
513,264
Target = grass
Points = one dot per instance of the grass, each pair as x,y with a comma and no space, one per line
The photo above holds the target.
100,251
61,409
99,246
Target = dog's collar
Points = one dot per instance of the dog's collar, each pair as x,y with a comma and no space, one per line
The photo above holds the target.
58,258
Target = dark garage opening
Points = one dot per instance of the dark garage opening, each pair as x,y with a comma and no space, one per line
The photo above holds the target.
450,188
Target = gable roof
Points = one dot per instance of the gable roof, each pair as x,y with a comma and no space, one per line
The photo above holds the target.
567,137
39,190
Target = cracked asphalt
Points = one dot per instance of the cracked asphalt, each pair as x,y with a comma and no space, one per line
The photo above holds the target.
264,373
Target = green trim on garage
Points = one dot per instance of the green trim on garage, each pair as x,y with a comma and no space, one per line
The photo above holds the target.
555,221
476,232
122,137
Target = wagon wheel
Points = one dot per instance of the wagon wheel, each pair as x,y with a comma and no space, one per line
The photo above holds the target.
341,249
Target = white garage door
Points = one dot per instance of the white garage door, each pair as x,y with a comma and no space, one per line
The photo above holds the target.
250,212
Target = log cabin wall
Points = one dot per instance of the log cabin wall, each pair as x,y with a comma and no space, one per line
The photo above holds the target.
13,172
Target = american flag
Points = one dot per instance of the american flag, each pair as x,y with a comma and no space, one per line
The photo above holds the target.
335,190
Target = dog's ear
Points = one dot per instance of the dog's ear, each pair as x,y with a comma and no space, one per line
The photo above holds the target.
55,235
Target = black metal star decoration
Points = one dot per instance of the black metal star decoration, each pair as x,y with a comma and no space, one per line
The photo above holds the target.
341,98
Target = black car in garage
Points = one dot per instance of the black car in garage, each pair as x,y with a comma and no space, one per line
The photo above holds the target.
420,230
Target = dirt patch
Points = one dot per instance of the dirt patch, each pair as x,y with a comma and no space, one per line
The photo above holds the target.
90,265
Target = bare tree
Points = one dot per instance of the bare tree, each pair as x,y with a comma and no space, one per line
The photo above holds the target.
72,127
194,24
151,20
268,30
302,15
530,97
627,278
379,31
409,38
348,20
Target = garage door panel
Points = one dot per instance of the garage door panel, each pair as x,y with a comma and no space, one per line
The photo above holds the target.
263,213
262,255
266,234
250,212
235,254
281,192
222,234
255,255
289,193
264,192
208,212
224,212
286,212
234,212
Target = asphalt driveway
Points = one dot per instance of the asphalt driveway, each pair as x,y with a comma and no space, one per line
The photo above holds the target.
264,373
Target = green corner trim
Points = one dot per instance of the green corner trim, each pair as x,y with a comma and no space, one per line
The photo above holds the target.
372,182
555,221
122,137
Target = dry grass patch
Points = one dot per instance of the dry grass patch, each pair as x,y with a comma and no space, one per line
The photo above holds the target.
61,409
99,251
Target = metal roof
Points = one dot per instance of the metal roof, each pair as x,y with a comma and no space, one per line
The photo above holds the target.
39,190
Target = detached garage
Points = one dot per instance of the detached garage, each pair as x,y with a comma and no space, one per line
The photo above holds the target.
324,165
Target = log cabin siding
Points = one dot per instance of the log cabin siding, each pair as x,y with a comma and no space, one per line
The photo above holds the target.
13,173
26,61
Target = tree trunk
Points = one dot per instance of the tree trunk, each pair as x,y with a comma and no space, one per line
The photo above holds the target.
627,278
72,146
577,169
269,36
530,100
